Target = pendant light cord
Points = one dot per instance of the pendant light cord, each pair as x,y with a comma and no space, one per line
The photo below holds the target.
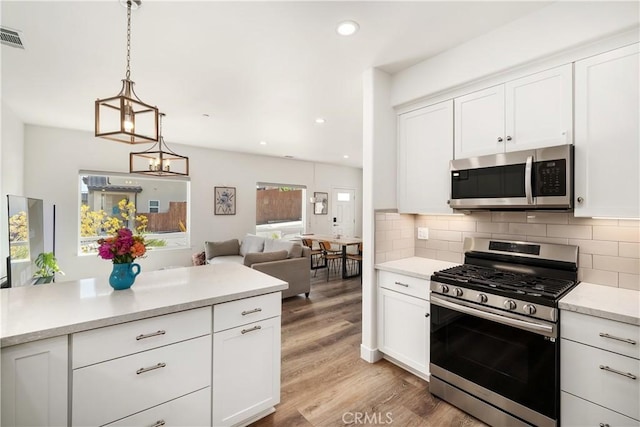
128,75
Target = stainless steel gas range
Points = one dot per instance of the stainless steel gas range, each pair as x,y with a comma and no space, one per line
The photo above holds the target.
494,330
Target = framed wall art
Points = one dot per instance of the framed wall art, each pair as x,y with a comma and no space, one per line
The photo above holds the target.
321,205
225,203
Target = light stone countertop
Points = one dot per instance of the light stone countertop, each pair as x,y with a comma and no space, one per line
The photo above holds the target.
622,305
422,268
44,311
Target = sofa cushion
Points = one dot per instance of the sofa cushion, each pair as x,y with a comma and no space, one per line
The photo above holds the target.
228,247
294,250
258,257
251,243
226,258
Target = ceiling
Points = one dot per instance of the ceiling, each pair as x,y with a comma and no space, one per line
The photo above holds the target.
259,71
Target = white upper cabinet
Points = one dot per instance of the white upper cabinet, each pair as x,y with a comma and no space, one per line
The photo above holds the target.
479,123
531,112
607,140
425,149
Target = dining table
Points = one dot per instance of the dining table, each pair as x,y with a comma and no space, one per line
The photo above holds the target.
341,241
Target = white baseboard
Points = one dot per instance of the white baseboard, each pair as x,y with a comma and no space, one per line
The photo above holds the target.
371,355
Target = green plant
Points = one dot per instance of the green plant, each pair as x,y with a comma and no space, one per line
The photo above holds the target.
47,265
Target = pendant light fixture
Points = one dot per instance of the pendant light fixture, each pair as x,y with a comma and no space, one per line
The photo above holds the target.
159,160
124,117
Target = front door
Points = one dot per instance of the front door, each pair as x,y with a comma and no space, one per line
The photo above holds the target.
343,212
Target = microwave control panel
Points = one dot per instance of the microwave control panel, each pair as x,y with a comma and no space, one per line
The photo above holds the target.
550,178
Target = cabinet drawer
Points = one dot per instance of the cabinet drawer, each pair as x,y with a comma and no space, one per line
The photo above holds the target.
98,345
608,334
241,312
191,410
582,375
576,412
404,284
111,390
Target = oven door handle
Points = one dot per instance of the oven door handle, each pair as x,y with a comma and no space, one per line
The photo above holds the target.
520,324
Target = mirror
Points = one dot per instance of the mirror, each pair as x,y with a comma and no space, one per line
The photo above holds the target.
27,237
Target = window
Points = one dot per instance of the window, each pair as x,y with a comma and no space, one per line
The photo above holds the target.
280,210
154,206
109,201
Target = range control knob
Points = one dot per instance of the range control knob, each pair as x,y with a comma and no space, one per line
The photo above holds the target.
458,292
529,309
444,289
510,304
482,298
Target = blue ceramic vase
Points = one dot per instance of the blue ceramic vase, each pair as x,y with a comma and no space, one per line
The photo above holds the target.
123,275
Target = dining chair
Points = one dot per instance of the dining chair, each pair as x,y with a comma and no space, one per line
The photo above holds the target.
331,256
356,259
317,260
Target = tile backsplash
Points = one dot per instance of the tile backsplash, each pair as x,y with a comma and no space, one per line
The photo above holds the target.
609,248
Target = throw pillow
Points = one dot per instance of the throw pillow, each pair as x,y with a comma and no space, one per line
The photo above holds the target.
228,247
294,250
198,259
251,243
258,257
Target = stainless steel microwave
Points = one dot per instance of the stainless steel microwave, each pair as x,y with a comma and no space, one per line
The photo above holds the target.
529,179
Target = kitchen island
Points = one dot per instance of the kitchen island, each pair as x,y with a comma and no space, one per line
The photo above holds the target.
205,338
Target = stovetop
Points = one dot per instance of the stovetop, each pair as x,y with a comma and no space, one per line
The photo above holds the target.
531,287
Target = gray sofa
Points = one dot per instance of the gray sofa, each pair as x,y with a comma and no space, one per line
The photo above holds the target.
288,261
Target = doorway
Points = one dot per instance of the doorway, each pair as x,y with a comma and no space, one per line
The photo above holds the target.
343,212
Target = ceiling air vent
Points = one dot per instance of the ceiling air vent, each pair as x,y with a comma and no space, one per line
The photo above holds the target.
11,38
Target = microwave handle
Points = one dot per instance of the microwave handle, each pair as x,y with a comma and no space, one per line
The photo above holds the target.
528,168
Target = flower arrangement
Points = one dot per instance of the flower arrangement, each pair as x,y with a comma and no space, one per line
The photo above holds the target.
123,247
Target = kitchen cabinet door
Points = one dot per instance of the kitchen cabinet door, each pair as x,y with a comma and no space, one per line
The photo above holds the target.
607,151
479,123
425,149
538,110
34,383
403,329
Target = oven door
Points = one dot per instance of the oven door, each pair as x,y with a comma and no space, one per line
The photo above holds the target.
513,357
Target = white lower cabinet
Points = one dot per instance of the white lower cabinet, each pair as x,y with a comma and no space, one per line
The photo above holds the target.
403,320
246,362
190,410
37,375
600,371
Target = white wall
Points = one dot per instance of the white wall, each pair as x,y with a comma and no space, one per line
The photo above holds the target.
11,173
557,27
54,156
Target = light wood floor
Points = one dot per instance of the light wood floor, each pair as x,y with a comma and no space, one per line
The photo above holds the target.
324,381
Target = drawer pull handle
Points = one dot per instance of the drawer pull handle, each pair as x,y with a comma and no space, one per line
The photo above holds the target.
624,374
255,328
402,284
255,310
159,423
627,340
603,425
151,368
153,334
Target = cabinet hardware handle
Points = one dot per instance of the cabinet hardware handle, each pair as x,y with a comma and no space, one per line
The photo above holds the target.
151,368
159,423
153,334
624,374
603,425
627,340
499,139
508,138
580,199
255,310
402,284
255,328
427,315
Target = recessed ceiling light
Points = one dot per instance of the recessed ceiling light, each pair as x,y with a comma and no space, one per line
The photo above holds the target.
346,156
320,120
263,142
347,28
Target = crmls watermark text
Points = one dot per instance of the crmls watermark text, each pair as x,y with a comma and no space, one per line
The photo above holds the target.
367,418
